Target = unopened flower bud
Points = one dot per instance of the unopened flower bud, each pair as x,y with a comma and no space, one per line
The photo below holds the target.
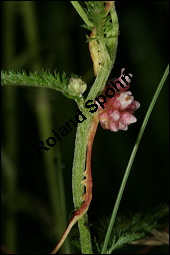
77,86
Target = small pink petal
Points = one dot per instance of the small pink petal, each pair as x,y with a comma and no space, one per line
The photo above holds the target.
103,117
116,104
104,125
122,126
113,126
115,115
128,118
134,105
125,99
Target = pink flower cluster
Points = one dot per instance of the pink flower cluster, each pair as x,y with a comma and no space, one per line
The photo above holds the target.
117,113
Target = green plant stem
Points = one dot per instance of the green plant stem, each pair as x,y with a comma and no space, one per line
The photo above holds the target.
77,176
83,133
80,157
132,157
114,34
82,13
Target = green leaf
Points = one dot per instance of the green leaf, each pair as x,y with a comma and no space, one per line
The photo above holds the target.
44,79
129,228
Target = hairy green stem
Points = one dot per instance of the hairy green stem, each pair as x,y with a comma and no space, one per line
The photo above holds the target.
77,176
132,157
82,13
80,157
82,138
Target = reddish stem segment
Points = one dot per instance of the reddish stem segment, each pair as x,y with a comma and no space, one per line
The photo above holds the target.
87,182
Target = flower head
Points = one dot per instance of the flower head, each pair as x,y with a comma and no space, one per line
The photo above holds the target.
117,113
77,86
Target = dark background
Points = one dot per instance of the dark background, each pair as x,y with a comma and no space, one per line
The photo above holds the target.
49,35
